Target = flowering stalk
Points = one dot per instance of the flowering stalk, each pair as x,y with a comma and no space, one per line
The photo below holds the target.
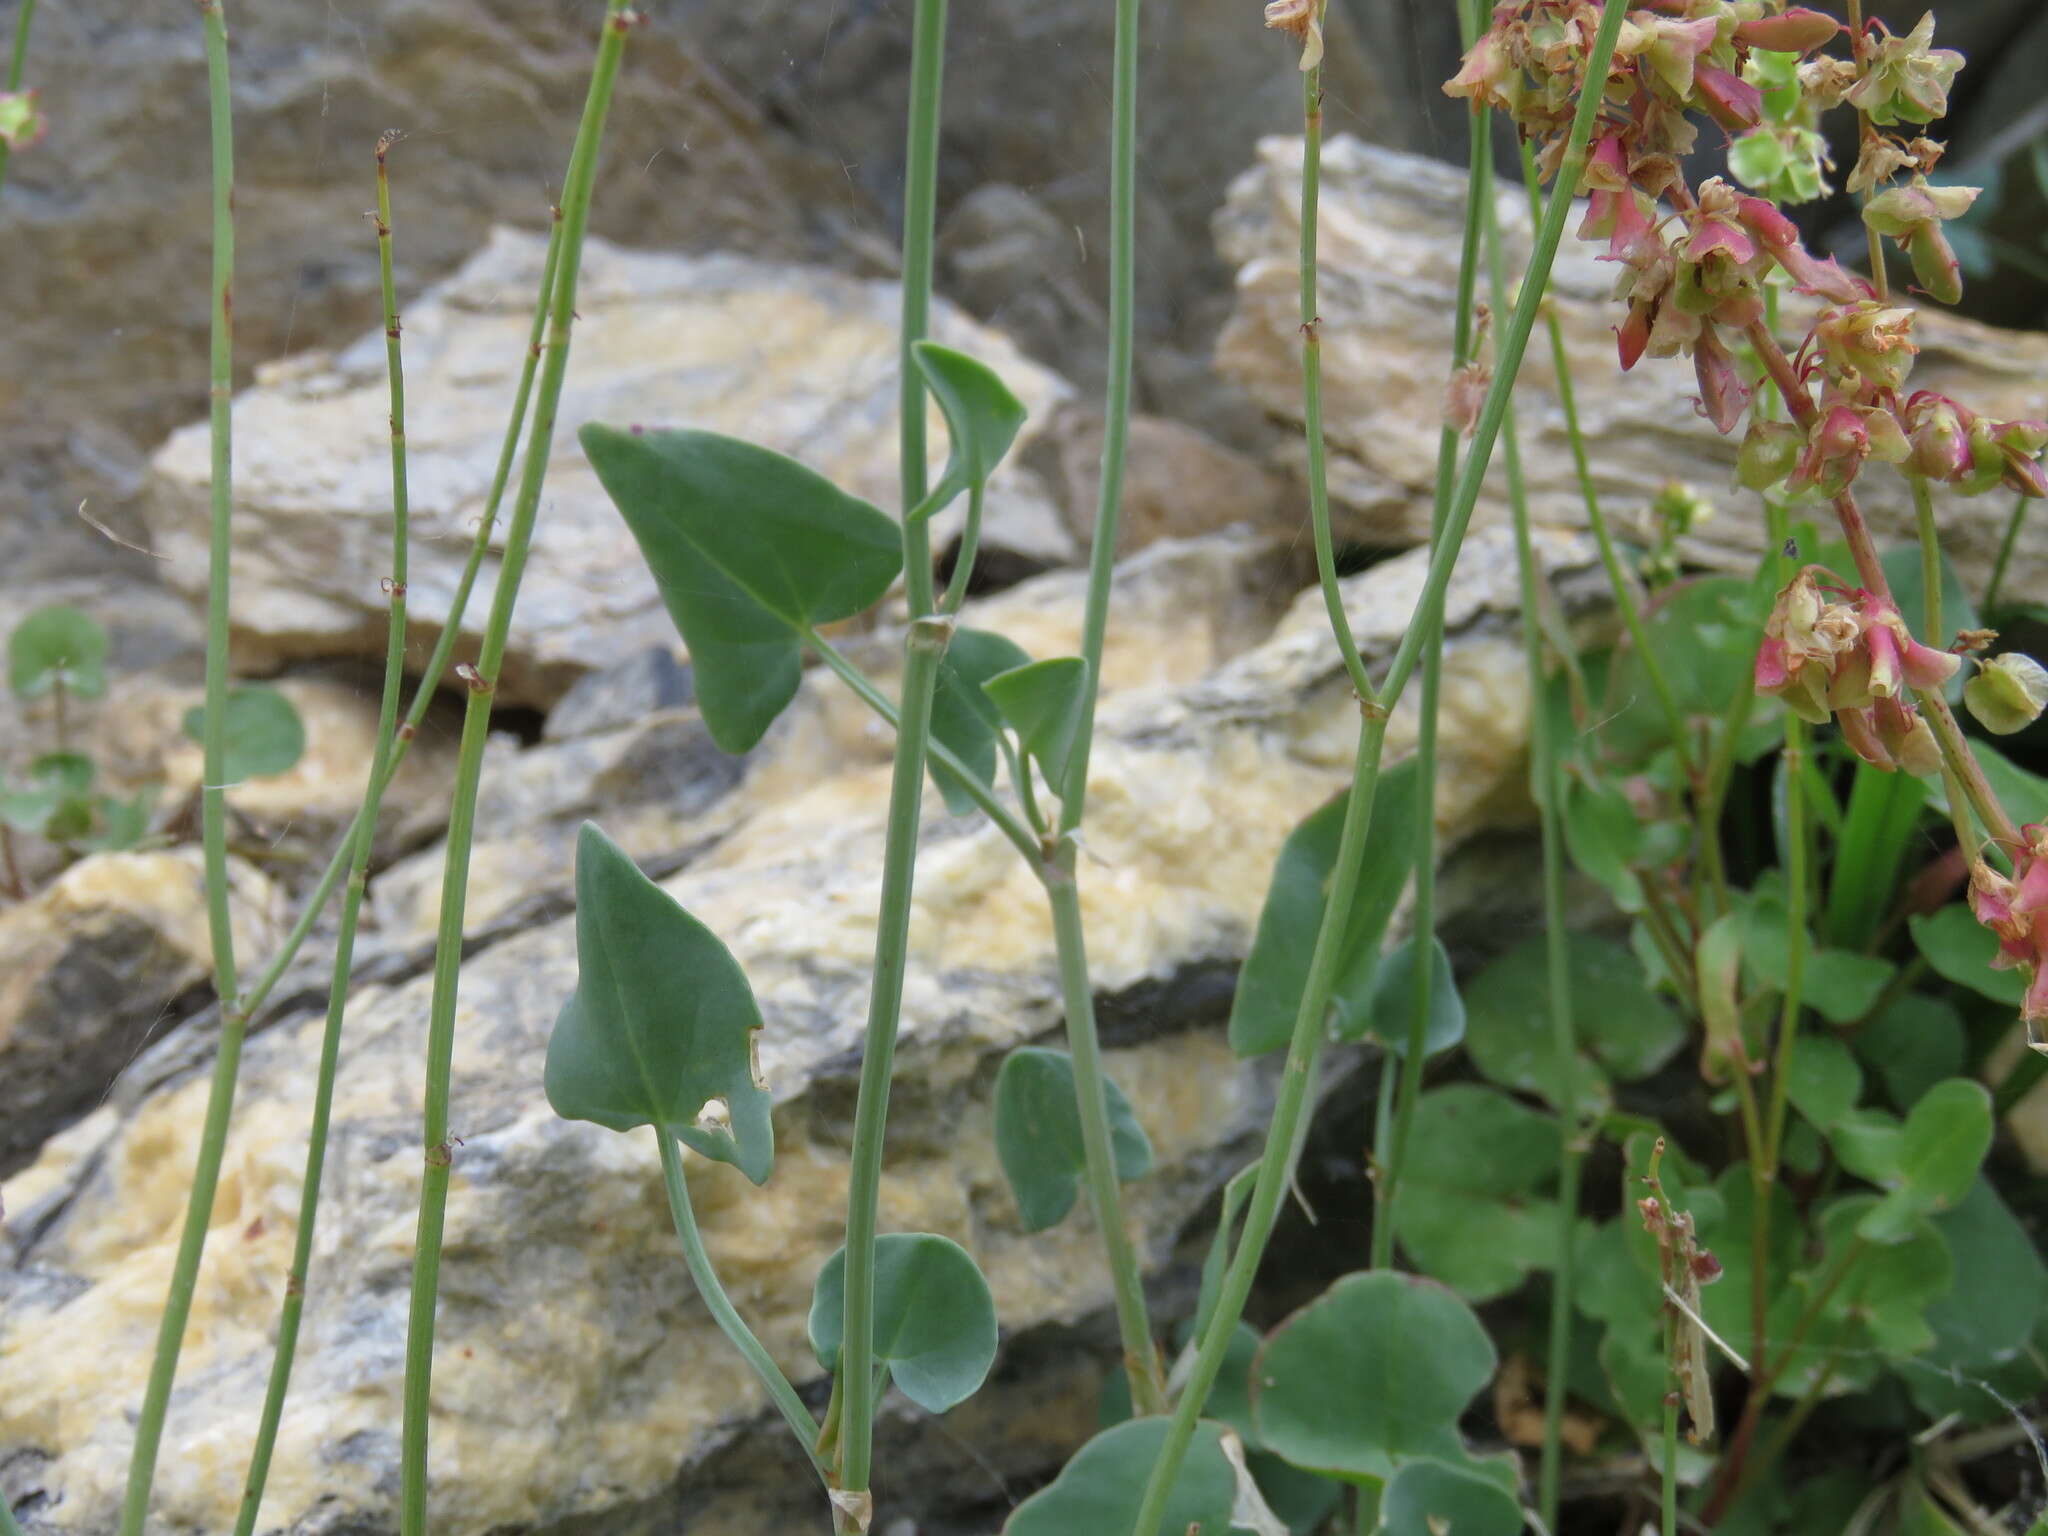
1305,1040
364,836
482,680
234,1016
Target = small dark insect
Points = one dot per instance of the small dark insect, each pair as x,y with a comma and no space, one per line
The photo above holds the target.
1791,549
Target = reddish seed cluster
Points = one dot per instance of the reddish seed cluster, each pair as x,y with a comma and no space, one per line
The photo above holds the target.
1830,650
2017,911
1695,261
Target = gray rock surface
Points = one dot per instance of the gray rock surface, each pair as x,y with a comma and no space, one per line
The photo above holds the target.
1390,230
578,1373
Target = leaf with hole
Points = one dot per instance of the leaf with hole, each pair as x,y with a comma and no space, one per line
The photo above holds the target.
1433,1498
935,1321
57,646
1961,950
662,1021
1100,1490
265,736
1038,1134
1621,1025
982,417
1043,703
1374,1372
1388,1016
964,720
1467,1211
1275,973
749,550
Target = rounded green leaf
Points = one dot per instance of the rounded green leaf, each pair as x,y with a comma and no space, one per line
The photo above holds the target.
1043,702
1373,1372
1467,1214
1604,835
56,645
749,550
1939,1152
1038,1134
1099,1491
1623,1025
265,736
1961,950
662,1022
1393,1001
56,799
1912,1043
964,720
1275,971
935,1321
982,417
1823,1080
1432,1498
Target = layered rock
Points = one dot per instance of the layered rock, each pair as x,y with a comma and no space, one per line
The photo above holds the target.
798,359
577,1370
1390,231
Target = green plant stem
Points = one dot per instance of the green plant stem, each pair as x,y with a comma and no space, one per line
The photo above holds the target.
729,1321
149,1426
1796,880
444,648
1116,405
1141,1353
1619,578
1930,555
419,1345
1393,1144
1020,836
924,648
920,210
1275,1163
1312,378
1513,346
15,63
299,1275
2006,545
1305,1041
1547,786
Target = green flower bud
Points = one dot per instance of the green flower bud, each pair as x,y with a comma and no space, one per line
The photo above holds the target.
2008,693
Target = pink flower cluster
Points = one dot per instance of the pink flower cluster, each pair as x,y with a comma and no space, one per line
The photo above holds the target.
1833,651
2017,911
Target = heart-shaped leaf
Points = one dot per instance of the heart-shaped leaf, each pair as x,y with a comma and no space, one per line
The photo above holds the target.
1433,1498
981,414
265,736
1043,703
1038,1134
1275,971
1961,950
1099,1491
1939,1152
662,1020
1467,1212
57,645
1372,1373
749,550
1393,1001
935,1321
964,720
1621,1024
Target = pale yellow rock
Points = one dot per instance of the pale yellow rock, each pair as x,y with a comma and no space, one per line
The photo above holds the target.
90,966
797,359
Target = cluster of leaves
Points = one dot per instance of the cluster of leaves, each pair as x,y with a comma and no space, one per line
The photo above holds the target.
57,657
